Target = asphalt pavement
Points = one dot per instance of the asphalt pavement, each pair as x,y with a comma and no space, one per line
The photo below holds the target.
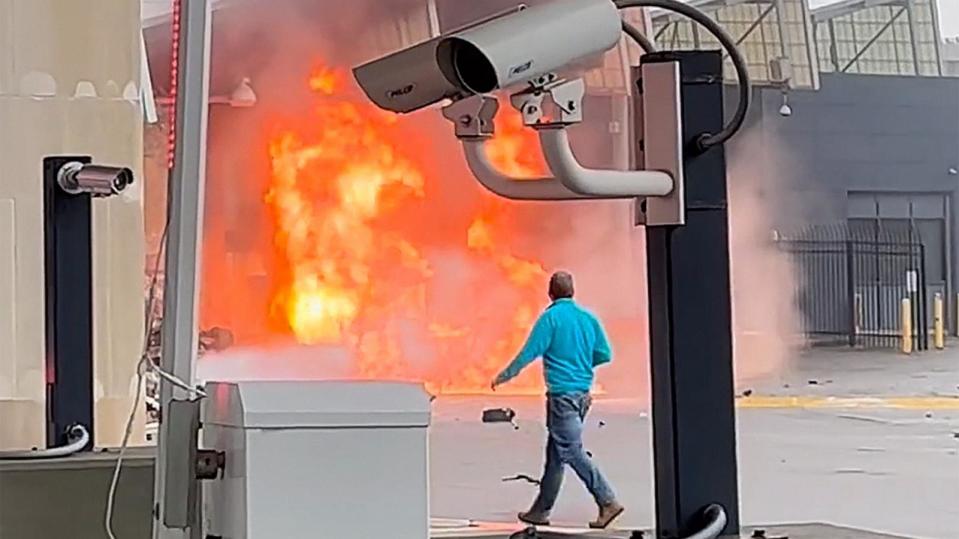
862,439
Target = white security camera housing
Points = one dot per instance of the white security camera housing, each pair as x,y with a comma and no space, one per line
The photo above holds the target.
406,80
522,46
493,54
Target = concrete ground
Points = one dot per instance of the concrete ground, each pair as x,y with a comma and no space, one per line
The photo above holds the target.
859,439
862,439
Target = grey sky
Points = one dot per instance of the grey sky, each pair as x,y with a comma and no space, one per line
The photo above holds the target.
949,14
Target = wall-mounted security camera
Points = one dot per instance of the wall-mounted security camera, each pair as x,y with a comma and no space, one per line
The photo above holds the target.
96,180
494,54
785,110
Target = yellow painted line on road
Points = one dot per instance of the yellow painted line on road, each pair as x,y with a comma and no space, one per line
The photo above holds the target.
813,402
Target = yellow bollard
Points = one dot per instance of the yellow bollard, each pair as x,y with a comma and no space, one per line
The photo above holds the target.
905,314
938,326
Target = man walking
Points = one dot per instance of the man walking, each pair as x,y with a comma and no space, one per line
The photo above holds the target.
572,343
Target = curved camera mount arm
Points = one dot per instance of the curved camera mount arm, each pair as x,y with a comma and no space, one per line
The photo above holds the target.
597,183
473,118
550,106
546,188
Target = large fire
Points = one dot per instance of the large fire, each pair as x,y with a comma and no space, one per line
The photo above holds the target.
356,258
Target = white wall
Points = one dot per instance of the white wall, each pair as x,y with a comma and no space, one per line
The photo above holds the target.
950,57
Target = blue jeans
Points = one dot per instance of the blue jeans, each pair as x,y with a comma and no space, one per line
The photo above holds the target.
564,421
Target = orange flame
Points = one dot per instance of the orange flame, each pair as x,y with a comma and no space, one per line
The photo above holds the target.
514,150
352,275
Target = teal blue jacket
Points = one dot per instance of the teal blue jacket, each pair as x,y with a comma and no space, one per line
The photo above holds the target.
571,342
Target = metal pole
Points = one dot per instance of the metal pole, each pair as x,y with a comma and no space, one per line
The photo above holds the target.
690,324
913,36
185,207
68,274
433,18
851,292
781,28
833,47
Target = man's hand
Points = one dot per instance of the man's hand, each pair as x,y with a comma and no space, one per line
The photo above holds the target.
493,384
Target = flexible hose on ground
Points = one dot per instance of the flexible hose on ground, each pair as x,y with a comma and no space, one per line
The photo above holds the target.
77,436
716,524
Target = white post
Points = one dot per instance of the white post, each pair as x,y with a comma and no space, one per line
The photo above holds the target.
185,207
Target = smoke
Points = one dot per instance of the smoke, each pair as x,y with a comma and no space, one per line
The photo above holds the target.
764,308
277,45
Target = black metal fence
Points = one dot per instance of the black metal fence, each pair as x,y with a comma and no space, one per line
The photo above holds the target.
851,283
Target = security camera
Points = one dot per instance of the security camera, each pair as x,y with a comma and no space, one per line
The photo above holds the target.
491,55
406,80
96,180
785,110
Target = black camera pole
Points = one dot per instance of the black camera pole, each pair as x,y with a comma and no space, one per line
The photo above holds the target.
68,263
690,325
69,184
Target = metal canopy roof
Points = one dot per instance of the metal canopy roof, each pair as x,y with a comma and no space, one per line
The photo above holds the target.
775,36
827,10
879,37
786,43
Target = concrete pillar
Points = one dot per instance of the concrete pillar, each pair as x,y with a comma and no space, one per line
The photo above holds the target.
69,83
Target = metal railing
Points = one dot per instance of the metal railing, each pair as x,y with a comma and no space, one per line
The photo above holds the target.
851,283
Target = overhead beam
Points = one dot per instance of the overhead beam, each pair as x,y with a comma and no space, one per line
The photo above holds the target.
849,7
755,24
872,41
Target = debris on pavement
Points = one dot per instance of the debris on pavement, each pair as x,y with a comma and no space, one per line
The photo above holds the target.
761,534
500,415
522,477
748,393
869,419
602,423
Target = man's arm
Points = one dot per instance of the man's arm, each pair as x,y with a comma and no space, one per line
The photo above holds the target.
536,345
602,353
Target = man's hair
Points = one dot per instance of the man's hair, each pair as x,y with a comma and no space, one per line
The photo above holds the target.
561,285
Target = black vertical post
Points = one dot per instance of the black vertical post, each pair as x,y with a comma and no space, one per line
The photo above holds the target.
922,299
690,319
851,293
69,305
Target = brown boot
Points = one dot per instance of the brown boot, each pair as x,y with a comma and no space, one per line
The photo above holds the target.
607,514
534,518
